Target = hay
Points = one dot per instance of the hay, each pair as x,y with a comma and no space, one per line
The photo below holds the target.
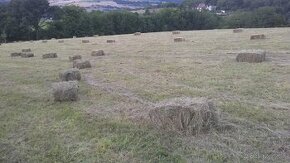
175,32
258,37
26,50
75,57
65,91
96,35
137,33
60,41
179,39
70,75
251,56
188,116
27,55
111,41
85,41
98,53
74,36
49,55
15,54
81,64
237,30
44,41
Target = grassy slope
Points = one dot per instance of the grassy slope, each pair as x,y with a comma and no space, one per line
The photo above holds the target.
254,98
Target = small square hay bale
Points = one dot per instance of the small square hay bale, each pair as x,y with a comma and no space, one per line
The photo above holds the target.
189,116
96,35
49,55
85,41
15,54
53,38
65,91
27,55
98,53
60,41
175,32
75,57
74,36
137,33
26,50
81,64
111,41
237,30
251,56
44,41
179,39
258,37
70,75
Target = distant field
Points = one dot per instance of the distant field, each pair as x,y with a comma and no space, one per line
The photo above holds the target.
110,121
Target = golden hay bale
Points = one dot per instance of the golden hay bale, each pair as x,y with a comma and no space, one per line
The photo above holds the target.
44,41
75,57
27,55
60,41
15,54
81,64
179,39
85,41
70,75
49,55
258,37
26,50
98,53
175,32
253,56
111,41
237,30
65,91
189,116
137,33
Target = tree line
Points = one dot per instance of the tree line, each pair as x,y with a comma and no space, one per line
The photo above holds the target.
35,19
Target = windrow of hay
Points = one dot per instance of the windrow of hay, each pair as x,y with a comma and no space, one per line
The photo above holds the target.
70,75
98,53
189,116
49,55
179,39
111,41
85,41
65,91
27,55
81,64
237,30
258,37
175,32
75,57
251,56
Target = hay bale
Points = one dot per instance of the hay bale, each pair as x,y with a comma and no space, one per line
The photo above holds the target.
258,37
75,57
70,75
60,41
179,39
81,64
53,38
85,41
26,50
96,35
253,56
27,55
111,41
188,116
15,54
98,53
49,55
175,32
137,33
74,36
65,91
237,30
44,41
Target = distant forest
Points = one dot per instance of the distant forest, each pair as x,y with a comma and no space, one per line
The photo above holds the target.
35,19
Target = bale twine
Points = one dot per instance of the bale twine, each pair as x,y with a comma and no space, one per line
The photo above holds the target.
237,30
258,37
175,32
60,41
98,53
85,41
49,55
111,41
81,64
252,56
70,75
75,57
137,33
65,91
15,54
26,50
179,39
27,55
188,116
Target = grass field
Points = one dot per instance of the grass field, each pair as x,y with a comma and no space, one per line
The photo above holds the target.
110,124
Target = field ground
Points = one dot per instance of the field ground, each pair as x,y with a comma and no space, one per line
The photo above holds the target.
109,122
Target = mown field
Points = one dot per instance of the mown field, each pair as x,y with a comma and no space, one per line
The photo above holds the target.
109,123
